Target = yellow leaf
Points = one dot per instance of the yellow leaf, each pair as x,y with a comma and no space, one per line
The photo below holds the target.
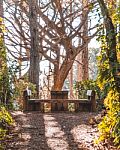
1,19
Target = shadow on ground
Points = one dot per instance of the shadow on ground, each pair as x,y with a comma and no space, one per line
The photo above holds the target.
51,131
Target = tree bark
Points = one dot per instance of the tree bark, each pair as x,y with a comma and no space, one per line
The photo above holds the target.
111,44
71,70
1,8
83,55
85,74
79,67
61,74
71,82
34,51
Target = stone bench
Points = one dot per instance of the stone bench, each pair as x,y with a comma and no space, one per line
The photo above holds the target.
59,102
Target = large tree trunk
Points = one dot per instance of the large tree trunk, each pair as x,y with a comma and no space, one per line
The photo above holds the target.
34,51
1,8
111,44
61,74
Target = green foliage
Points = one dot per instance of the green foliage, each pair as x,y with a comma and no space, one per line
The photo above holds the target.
104,79
4,77
108,78
5,122
11,88
110,126
82,87
5,116
19,86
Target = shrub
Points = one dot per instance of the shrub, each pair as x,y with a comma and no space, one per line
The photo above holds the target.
19,86
109,128
5,122
82,87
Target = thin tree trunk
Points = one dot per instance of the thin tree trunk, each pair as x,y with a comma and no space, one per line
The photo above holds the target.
82,68
71,82
20,62
71,70
79,67
85,74
85,51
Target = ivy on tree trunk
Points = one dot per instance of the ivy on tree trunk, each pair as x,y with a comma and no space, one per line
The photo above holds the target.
111,44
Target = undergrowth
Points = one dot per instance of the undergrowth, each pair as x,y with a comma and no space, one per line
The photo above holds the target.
6,121
109,128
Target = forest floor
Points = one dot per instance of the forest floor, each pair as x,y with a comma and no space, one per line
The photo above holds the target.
54,131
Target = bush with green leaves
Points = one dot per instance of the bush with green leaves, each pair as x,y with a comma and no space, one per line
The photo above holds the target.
109,128
82,87
19,86
6,121
4,75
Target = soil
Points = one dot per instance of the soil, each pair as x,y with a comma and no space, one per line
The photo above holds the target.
54,131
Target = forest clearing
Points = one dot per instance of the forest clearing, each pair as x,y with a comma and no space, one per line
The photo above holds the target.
59,75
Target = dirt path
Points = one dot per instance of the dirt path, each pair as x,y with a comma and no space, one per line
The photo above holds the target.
54,131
